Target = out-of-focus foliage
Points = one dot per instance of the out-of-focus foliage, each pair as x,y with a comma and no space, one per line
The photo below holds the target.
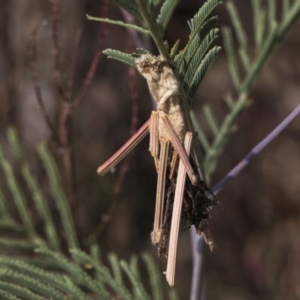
50,273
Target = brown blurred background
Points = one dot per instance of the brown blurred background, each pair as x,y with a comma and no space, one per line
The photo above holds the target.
257,233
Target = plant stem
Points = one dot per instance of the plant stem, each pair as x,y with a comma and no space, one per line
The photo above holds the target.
276,35
153,29
225,133
161,47
256,150
197,288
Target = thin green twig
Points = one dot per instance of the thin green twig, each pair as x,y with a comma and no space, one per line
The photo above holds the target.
120,23
152,28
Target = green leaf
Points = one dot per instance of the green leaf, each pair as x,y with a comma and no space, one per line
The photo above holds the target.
244,58
153,274
37,195
3,205
226,130
167,47
54,279
59,195
74,270
285,7
11,226
129,5
135,281
228,98
17,193
195,25
201,70
272,13
195,45
238,28
266,49
104,273
196,22
17,244
121,56
139,51
211,120
42,207
151,4
200,134
8,296
195,56
232,60
165,15
154,2
174,49
115,266
34,284
19,291
259,23
120,23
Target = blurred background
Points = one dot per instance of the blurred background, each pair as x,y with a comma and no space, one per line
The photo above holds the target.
257,232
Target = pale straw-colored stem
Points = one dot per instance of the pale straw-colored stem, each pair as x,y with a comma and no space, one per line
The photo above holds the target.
154,140
122,152
180,150
176,215
160,192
